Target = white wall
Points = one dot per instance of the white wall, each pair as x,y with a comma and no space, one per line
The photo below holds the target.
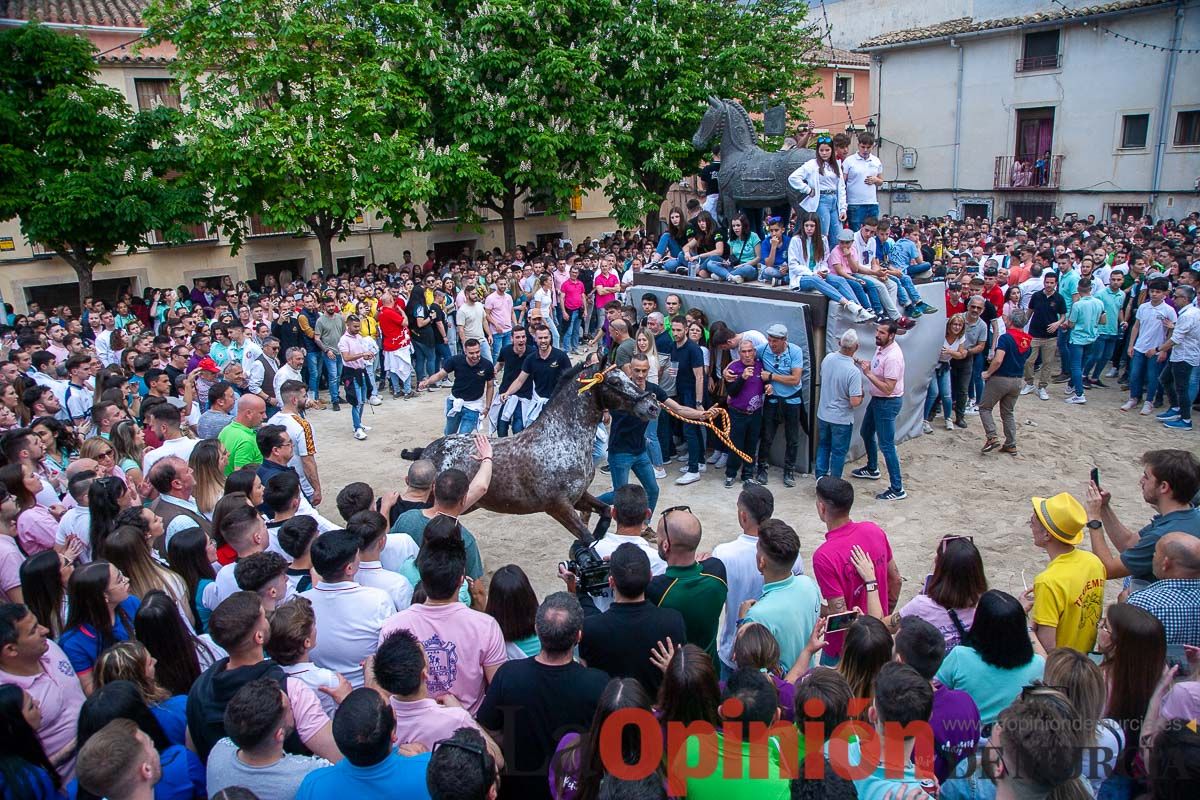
1101,78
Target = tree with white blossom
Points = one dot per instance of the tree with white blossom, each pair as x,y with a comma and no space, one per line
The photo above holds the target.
307,113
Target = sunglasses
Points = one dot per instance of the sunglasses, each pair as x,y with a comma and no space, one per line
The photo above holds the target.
824,140
950,538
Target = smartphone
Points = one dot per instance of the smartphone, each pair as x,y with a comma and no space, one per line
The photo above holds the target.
1096,476
839,622
1177,657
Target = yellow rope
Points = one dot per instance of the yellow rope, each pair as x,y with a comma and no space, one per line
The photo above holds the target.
722,432
595,380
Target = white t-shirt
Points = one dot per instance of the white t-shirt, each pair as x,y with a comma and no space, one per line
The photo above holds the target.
315,678
349,618
745,582
77,520
1031,287
1151,332
300,431
856,170
608,545
181,448
398,588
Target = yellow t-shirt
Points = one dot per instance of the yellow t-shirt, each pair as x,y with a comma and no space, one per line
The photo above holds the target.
1069,596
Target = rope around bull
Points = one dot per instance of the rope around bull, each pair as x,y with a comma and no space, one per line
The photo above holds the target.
721,428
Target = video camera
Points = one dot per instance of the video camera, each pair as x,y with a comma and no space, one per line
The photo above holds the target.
590,570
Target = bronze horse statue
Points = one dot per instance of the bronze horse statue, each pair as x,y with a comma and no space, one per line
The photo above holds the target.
548,466
749,177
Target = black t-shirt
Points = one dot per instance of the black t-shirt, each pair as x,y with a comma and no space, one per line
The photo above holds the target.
174,374
684,360
287,331
709,174
620,640
400,506
423,335
469,381
989,313
535,705
544,373
1043,311
588,278
439,315
512,364
627,434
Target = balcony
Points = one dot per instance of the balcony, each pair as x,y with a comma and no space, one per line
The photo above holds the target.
1039,63
1029,178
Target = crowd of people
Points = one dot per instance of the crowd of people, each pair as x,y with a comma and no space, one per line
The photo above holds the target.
181,619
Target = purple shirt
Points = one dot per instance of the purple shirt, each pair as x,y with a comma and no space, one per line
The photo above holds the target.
956,728
748,397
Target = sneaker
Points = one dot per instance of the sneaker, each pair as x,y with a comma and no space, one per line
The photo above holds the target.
736,278
925,308
990,445
916,313
728,481
682,458
444,384
1060,378
866,474
1043,394
1128,404
720,462
659,472
972,410
1147,409
687,478
892,494
360,434
760,476
1099,384
1111,372
703,468
950,425
906,323
960,423
1170,415
1027,389
1087,383
337,406
376,400
1179,424
1077,400
716,454
365,428
926,427
1011,449
789,478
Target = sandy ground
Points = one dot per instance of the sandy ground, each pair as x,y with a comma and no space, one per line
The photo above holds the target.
951,487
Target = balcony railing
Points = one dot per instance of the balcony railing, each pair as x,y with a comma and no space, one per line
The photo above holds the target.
1036,63
1033,175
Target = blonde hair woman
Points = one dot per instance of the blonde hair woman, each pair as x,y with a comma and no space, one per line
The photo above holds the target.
208,461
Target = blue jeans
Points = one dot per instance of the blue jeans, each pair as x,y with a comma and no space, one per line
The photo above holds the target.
465,421
1184,374
666,244
917,269
695,266
977,373
441,353
906,291
827,216
1143,374
424,360
333,373
574,329
833,442
398,385
856,215
1076,357
499,342
653,447
835,287
771,275
725,274
1064,346
939,385
514,426
312,365
879,433
362,391
1101,353
621,464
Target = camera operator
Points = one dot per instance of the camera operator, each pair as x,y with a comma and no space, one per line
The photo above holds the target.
630,511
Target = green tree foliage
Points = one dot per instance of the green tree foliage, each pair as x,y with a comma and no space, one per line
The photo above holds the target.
523,91
665,57
305,113
86,174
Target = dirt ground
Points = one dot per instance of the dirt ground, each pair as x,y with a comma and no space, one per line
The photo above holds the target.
951,487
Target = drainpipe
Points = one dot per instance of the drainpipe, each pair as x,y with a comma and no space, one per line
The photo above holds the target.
878,59
1164,106
958,100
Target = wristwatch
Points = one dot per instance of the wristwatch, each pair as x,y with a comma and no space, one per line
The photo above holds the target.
1095,524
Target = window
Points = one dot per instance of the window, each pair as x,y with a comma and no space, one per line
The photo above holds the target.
1040,51
843,89
155,92
1134,129
1187,129
1030,211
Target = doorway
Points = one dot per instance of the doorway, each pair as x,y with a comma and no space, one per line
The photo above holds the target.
350,265
1035,132
285,270
67,294
448,251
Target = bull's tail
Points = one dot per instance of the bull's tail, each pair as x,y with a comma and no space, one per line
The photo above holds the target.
412,455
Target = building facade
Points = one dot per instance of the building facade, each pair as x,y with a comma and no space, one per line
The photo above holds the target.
1042,114
843,91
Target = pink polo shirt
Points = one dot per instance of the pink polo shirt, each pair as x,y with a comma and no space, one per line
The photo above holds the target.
499,312
60,696
11,559
427,722
459,644
573,291
611,281
888,363
837,577
36,529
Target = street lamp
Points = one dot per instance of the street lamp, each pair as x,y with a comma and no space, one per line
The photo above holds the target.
871,126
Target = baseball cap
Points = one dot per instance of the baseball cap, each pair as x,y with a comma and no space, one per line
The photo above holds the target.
208,365
845,235
777,331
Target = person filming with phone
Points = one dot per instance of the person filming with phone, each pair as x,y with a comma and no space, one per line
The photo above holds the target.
842,588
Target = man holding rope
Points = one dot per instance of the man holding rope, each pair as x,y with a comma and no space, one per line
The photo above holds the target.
627,436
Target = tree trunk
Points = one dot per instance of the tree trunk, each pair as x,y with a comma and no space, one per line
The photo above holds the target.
653,225
325,241
83,271
656,187
508,215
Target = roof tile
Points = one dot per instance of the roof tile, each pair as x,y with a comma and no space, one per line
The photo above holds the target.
106,13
